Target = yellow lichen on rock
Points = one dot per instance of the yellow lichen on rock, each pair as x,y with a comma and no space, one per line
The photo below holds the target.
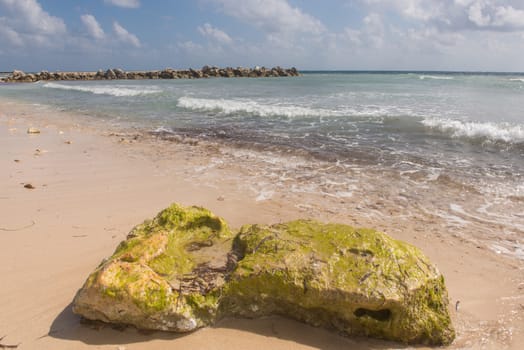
150,282
184,269
358,281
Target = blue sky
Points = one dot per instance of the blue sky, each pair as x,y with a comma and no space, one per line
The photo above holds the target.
485,35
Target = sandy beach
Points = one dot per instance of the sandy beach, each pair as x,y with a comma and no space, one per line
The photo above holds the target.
92,185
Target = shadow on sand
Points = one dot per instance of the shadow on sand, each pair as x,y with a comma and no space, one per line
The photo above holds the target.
69,326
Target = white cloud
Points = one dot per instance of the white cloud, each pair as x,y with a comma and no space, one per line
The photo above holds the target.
507,16
374,30
28,18
124,3
496,15
189,46
428,39
476,15
215,34
92,26
272,16
123,35
371,34
11,36
415,9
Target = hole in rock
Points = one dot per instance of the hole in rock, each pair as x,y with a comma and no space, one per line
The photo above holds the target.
361,252
379,315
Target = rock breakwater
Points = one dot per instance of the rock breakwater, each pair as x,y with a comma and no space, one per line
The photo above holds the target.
168,73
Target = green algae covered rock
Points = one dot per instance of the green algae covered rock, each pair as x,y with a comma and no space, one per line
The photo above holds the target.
358,281
184,270
167,275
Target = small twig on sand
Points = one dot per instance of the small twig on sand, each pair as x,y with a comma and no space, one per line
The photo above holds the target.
79,236
51,332
18,229
6,346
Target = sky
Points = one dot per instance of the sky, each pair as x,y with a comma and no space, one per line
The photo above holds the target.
457,35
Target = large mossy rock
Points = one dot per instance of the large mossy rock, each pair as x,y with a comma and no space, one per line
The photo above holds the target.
358,281
185,270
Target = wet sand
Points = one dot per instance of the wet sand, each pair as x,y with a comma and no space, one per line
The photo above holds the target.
92,185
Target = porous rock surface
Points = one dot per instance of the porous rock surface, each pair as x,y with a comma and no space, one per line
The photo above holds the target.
166,275
185,269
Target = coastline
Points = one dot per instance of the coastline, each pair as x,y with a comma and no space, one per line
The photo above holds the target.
91,191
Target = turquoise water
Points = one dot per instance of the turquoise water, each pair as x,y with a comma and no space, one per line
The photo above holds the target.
437,119
445,145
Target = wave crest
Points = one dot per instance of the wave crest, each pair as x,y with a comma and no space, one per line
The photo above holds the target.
251,107
226,106
111,90
435,77
491,131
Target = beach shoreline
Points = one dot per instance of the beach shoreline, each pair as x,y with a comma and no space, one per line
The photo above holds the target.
92,185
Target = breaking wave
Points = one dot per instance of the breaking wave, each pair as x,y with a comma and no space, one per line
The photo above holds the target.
435,77
491,131
251,107
111,90
227,106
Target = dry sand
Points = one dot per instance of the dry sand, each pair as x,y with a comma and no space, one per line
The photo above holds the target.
91,188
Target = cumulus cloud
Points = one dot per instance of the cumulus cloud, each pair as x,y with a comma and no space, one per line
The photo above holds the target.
414,9
495,15
272,16
124,3
215,34
506,17
190,46
11,36
124,36
92,26
27,22
372,33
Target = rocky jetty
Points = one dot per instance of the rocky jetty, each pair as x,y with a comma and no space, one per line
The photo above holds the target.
168,73
185,269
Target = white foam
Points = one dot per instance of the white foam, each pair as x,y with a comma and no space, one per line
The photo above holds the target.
517,79
264,195
492,131
111,90
452,220
266,109
513,249
461,211
252,107
435,77
162,129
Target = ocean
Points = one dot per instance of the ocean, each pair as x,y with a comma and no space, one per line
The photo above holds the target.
440,144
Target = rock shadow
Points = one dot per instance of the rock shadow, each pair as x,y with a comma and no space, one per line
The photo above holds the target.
69,326
301,333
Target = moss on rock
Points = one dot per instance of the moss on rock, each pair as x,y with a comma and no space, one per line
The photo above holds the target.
184,269
154,280
358,281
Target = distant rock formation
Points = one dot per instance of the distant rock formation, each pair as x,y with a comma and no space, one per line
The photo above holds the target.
168,73
186,269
